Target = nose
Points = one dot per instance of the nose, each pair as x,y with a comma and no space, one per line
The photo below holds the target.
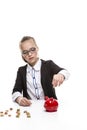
29,53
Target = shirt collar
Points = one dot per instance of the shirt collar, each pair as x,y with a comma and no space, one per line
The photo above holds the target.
37,66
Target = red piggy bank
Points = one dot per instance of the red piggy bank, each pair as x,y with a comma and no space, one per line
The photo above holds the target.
51,104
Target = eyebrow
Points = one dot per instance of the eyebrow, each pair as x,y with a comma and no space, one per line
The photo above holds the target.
29,49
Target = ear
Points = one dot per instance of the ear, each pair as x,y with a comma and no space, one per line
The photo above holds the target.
37,48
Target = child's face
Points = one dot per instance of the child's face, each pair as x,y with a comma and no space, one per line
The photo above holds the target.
29,52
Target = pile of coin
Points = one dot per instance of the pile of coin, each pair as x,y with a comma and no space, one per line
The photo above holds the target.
27,114
18,113
6,112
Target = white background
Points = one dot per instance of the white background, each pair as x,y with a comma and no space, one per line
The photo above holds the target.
60,30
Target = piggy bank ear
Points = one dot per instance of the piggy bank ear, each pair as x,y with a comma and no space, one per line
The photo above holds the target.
46,97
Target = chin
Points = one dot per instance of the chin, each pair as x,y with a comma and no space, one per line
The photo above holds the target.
31,63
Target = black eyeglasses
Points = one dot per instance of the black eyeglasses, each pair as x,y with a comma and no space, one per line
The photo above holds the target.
31,50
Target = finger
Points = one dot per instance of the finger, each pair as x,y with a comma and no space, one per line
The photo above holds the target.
27,102
58,83
54,83
22,102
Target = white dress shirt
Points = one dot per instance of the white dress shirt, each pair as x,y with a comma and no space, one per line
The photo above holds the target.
29,78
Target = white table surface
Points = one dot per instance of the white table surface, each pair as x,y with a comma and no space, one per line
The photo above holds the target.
67,117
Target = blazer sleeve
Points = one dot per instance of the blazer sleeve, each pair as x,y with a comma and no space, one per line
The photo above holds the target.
54,68
20,83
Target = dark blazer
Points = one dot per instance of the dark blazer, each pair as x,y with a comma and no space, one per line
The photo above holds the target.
48,69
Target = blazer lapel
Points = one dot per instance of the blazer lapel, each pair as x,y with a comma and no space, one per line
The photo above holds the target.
44,77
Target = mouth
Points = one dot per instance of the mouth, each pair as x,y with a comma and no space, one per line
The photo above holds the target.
31,58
